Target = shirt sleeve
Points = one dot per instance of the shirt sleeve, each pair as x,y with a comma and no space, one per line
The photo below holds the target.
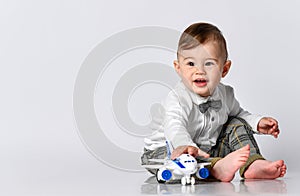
237,110
177,109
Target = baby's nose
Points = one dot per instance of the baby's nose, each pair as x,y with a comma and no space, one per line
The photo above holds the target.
200,69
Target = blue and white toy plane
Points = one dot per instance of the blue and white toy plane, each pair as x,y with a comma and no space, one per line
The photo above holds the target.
184,166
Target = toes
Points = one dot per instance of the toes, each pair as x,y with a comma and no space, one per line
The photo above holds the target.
284,167
282,171
245,148
280,163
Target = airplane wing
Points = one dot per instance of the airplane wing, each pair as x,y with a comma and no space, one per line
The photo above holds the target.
156,166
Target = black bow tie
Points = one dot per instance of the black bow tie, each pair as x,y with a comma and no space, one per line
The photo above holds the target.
214,104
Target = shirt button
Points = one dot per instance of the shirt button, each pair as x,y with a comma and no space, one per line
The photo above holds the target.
212,118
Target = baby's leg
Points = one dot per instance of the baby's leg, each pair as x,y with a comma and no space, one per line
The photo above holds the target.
159,153
226,167
235,135
263,169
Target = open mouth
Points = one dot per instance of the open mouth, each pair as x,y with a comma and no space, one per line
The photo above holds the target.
200,82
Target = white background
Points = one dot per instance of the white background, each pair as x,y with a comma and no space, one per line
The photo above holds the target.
44,43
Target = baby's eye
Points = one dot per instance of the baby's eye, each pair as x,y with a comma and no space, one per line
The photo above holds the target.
191,64
209,64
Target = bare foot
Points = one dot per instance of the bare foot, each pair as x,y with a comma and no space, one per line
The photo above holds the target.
263,169
225,168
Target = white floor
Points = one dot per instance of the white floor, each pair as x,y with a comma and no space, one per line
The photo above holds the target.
236,187
112,182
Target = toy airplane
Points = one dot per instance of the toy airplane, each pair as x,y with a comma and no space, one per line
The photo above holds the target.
184,166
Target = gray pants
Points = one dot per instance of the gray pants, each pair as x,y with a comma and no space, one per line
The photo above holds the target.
235,134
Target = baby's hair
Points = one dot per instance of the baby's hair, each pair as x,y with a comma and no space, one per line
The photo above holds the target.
201,33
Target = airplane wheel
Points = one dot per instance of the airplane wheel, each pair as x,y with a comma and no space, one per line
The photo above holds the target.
188,180
193,180
183,181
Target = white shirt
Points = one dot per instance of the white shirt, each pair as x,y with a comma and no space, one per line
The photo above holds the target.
180,122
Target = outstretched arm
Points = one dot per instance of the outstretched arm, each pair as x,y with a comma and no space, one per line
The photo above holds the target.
268,125
192,150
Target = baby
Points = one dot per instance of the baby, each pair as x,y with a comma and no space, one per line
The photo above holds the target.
202,117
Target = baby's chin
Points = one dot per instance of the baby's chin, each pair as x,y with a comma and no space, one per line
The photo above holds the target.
202,92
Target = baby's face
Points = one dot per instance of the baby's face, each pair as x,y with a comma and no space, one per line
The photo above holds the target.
201,68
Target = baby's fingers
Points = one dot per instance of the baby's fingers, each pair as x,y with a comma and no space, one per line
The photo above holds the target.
276,133
202,154
178,151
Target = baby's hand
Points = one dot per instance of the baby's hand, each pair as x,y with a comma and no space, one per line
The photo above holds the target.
194,151
268,125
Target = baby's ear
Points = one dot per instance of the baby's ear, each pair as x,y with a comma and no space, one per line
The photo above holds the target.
226,68
176,65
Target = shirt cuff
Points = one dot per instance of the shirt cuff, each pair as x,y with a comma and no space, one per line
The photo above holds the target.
255,122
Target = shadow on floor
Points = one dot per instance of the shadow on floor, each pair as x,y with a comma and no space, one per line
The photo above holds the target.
244,186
